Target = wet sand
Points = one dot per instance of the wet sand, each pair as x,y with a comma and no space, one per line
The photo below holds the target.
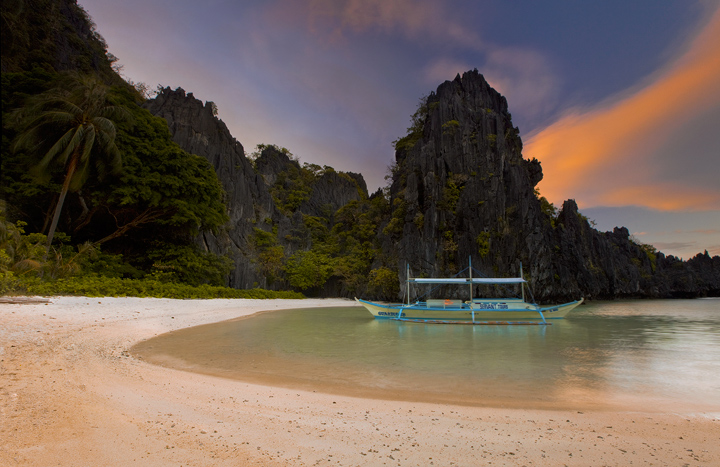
71,394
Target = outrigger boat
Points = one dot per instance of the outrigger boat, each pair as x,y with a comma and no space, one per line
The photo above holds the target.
472,311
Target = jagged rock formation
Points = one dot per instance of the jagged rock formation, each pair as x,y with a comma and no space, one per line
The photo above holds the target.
198,131
252,191
462,189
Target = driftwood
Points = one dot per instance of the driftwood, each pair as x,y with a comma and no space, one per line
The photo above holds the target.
24,300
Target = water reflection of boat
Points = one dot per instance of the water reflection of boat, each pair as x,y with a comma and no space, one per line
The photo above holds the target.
472,311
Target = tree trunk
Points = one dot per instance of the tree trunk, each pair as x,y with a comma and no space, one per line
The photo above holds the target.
148,215
61,200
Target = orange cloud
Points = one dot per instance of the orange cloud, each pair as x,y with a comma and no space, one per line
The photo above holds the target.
608,155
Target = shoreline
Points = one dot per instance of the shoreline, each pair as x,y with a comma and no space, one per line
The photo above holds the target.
71,394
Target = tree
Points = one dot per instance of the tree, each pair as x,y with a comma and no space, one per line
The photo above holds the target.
72,128
309,269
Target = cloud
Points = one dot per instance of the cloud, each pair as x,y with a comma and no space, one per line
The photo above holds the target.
523,73
676,246
524,76
614,154
706,231
412,18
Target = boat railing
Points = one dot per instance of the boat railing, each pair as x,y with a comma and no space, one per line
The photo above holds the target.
443,303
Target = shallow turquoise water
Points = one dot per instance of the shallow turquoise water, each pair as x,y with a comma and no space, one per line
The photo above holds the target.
650,355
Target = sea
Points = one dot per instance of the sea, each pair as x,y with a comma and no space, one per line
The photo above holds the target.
637,355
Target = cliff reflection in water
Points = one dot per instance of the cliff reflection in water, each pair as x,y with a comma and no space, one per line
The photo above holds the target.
655,355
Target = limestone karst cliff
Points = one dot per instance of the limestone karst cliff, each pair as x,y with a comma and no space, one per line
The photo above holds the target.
460,188
256,194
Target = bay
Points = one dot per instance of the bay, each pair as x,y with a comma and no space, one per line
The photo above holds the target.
649,355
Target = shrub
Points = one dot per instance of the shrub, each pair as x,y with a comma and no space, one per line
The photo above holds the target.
99,286
483,242
383,283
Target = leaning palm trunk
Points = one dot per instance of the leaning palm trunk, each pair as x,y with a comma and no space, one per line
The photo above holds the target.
58,207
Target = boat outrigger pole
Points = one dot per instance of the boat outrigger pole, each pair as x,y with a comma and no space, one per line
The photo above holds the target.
472,308
407,281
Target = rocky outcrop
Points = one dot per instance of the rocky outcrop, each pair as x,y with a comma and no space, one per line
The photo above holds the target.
252,191
461,189
196,129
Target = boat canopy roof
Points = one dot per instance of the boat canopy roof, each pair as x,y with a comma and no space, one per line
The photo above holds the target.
467,280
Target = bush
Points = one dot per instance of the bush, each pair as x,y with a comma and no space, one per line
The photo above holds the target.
309,269
100,286
384,283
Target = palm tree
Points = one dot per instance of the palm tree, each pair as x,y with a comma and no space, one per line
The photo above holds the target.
71,128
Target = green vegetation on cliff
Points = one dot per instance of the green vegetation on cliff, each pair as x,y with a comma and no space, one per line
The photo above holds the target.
133,215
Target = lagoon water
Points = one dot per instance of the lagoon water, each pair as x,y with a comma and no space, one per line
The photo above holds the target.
660,355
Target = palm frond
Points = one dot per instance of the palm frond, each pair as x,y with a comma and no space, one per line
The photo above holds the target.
60,147
104,125
73,145
26,265
117,113
88,142
53,117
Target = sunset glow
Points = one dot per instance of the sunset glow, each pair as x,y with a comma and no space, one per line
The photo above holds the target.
608,155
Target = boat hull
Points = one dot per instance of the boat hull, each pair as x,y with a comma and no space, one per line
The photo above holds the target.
480,312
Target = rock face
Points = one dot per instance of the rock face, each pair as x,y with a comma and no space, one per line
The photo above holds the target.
198,131
464,190
249,188
461,189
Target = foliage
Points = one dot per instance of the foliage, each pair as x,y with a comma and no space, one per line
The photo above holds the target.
146,218
451,192
21,253
547,208
397,220
57,35
186,265
649,251
293,187
419,220
383,283
70,127
309,269
492,139
513,140
24,256
164,194
101,286
415,130
262,147
450,127
483,243
355,239
161,183
270,254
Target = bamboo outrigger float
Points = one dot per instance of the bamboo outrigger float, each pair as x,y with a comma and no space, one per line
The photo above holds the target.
472,311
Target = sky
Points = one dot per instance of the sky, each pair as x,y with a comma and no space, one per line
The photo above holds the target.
619,100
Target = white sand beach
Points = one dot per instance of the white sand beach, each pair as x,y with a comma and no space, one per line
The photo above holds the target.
72,395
